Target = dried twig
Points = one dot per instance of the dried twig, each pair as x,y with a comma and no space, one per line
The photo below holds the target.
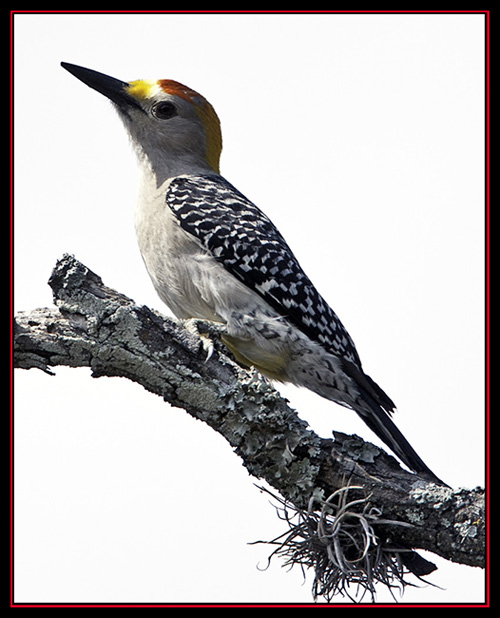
346,540
337,538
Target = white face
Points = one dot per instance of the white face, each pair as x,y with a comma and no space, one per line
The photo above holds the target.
165,126
171,126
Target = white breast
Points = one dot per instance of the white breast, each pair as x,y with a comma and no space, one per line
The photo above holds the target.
194,285
186,277
170,255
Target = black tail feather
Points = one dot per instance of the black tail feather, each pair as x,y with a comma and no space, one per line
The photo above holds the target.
382,425
376,414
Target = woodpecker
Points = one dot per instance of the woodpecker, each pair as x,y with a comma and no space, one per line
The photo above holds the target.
214,255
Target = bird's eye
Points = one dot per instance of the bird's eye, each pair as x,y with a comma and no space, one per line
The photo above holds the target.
164,110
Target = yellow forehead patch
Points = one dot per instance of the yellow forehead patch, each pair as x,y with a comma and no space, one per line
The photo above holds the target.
143,88
147,88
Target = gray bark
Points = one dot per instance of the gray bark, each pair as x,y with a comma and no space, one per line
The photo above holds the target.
97,327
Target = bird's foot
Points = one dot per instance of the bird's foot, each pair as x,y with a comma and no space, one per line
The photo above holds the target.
204,329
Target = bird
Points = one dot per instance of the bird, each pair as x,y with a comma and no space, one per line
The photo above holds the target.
213,255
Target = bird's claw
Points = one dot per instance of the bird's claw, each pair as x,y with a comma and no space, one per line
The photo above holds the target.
193,325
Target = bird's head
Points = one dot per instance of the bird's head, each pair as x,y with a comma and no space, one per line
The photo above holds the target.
170,124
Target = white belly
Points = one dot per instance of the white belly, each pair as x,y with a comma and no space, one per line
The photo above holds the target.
194,285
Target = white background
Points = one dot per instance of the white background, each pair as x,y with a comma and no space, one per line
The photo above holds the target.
362,137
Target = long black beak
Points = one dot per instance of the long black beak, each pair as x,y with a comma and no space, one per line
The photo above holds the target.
114,89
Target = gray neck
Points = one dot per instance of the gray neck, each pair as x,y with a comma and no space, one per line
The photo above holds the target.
162,167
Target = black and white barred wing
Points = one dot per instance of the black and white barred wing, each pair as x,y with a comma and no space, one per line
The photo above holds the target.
244,240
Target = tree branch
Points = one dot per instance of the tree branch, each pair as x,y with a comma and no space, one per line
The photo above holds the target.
97,327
